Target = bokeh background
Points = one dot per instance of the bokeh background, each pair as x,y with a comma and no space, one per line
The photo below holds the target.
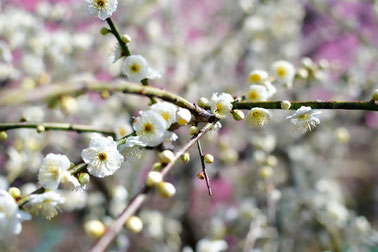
323,194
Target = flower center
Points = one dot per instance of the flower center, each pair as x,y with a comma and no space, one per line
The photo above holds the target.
303,117
253,95
100,3
165,116
102,156
281,71
122,132
134,68
148,127
254,78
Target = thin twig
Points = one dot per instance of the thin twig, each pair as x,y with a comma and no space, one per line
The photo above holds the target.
54,126
137,201
204,168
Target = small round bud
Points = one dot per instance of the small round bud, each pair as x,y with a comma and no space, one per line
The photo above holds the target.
193,130
375,96
166,156
271,160
72,164
183,116
185,158
3,135
14,192
342,135
40,128
105,94
134,224
201,175
208,158
94,228
302,73
157,166
238,115
44,78
285,105
126,38
166,190
153,178
84,178
266,172
104,31
203,102
68,104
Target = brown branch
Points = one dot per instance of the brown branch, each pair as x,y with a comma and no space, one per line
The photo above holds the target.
137,201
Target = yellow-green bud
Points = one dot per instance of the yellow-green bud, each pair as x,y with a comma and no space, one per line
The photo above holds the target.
271,160
134,224
14,192
375,96
208,158
105,94
94,228
238,115
157,166
3,135
166,156
185,158
104,31
126,38
285,105
266,172
84,178
193,130
203,102
342,135
153,178
40,128
166,190
68,104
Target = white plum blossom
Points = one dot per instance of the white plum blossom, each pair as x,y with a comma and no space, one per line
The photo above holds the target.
284,72
166,110
257,93
206,245
102,156
150,128
45,204
305,119
51,171
10,216
103,9
257,77
221,104
183,116
136,68
257,117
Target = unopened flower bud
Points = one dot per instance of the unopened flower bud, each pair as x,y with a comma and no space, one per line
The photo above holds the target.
193,130
40,128
208,158
185,158
166,156
285,105
68,104
104,31
375,96
105,94
266,172
157,166
238,115
126,38
134,224
271,160
84,178
153,178
203,102
3,135
200,175
183,116
94,228
166,190
342,135
14,192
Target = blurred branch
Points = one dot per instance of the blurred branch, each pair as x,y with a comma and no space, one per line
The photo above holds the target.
358,105
17,96
54,126
137,201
